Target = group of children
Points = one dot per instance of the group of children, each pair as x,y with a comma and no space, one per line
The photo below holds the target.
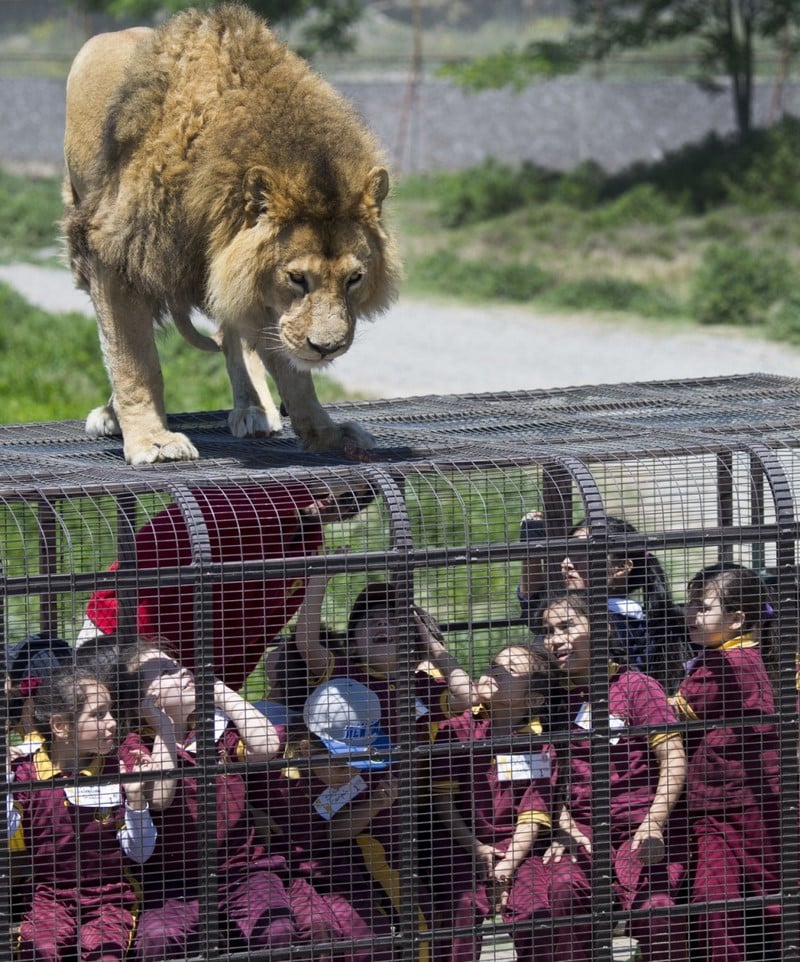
109,820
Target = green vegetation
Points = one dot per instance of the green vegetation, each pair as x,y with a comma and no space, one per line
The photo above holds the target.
708,234
51,369
29,210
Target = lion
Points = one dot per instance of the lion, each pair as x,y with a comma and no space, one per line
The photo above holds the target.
209,167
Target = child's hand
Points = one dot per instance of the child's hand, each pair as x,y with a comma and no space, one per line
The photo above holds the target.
556,851
502,877
386,792
153,714
486,857
134,791
648,843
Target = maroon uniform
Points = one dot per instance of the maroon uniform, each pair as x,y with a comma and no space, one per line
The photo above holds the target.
341,891
565,888
253,900
733,788
494,787
83,894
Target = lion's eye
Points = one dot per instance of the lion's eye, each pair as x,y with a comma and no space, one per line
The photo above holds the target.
298,279
355,278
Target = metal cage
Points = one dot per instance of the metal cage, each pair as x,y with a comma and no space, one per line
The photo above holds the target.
215,558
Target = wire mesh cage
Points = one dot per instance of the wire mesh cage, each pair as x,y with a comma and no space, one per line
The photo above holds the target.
520,685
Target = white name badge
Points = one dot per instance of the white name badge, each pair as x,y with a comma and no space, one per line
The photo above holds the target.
421,708
329,802
94,796
525,766
584,720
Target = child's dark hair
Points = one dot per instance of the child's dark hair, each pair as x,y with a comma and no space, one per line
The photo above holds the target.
290,683
62,693
28,663
545,679
383,596
663,646
739,589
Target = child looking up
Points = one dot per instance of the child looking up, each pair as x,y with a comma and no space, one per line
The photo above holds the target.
78,834
733,785
372,654
646,778
253,903
494,801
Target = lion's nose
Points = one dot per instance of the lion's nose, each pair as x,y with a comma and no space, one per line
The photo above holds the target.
324,350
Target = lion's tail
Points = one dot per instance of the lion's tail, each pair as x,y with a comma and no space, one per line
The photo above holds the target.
188,331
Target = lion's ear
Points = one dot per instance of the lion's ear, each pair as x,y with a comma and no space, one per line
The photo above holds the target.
256,188
377,186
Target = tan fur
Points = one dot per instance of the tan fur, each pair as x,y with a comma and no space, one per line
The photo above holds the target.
209,167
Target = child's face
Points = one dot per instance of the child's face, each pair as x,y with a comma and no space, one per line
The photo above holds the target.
375,639
507,683
568,638
94,731
333,772
170,686
708,623
575,570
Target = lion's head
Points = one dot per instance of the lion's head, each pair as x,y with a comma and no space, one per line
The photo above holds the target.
302,267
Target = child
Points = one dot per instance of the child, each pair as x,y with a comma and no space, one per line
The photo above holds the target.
648,624
646,779
332,807
78,833
371,654
733,785
242,524
253,902
493,802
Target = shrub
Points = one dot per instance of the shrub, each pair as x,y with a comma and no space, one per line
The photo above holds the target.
784,321
445,273
738,285
29,211
490,190
642,204
614,294
582,187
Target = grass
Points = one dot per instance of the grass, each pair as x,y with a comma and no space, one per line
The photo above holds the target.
51,368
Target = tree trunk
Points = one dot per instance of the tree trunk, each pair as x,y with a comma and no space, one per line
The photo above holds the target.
740,65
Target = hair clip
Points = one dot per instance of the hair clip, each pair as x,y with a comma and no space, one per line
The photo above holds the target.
769,611
28,686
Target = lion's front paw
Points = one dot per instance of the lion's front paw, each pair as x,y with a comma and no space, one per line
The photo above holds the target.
334,437
254,422
102,423
164,446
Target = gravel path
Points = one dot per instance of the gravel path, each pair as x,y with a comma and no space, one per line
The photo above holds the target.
425,347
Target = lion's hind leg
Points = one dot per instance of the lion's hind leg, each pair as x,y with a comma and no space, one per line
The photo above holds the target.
254,413
125,322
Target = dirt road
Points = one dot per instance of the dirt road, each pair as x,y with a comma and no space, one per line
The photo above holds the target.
427,347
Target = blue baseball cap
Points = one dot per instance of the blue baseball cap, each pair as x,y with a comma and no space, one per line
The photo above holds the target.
346,717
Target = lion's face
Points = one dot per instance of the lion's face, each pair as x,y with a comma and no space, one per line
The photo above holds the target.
301,287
